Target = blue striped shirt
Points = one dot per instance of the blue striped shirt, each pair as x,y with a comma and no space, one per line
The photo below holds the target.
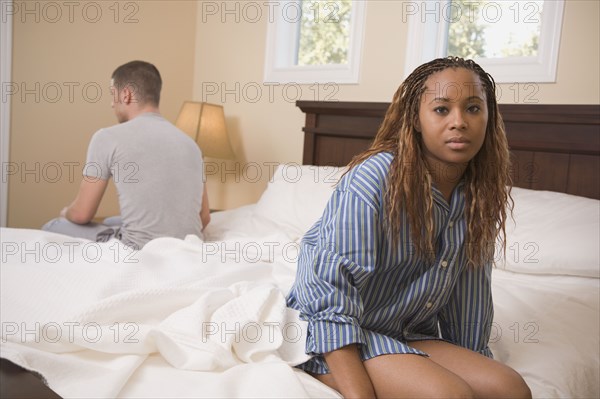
354,285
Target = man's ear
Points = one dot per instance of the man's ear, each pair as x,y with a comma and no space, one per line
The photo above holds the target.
127,95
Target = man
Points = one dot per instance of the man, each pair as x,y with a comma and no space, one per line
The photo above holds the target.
157,170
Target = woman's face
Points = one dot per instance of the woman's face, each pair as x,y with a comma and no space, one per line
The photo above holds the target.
453,118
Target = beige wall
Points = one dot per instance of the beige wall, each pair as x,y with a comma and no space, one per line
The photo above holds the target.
222,53
264,131
62,62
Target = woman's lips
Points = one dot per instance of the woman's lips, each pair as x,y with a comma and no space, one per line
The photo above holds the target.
457,143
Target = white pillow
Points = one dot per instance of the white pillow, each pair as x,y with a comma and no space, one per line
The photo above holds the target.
553,233
296,195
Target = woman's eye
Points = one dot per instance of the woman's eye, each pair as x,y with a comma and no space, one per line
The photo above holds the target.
474,108
440,110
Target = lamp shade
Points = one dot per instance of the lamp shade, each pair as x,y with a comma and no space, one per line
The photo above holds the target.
205,124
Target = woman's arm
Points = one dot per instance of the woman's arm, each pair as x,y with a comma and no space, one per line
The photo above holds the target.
349,373
337,257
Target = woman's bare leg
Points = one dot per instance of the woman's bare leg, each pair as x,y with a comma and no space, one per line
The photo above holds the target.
409,376
487,378
449,372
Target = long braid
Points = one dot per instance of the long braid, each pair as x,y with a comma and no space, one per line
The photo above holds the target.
409,189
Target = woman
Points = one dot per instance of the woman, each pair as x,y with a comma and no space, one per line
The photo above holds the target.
394,279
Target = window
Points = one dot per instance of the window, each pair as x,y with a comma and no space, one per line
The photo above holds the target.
514,40
315,41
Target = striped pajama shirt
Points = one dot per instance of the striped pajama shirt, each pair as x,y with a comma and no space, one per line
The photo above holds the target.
355,286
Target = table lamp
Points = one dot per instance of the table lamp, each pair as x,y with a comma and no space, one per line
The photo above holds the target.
205,124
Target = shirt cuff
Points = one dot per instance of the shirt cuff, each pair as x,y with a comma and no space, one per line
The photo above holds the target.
326,336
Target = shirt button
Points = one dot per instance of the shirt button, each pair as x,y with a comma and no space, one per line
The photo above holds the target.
428,305
444,264
450,223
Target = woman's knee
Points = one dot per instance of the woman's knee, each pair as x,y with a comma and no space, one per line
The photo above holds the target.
508,384
487,378
414,376
455,389
442,388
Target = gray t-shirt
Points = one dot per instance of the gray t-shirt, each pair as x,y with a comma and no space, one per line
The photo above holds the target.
158,172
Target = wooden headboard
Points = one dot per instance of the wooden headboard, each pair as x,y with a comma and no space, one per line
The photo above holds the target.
553,147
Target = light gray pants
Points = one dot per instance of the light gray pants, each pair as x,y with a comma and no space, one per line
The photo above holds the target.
99,232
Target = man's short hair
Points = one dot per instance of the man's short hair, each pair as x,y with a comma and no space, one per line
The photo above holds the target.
142,77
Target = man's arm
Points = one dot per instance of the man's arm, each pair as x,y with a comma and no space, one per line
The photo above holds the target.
84,207
205,210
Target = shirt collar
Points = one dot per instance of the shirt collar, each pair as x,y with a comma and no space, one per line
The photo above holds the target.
457,197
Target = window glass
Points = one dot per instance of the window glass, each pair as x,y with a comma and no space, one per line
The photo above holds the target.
513,40
494,29
324,37
315,41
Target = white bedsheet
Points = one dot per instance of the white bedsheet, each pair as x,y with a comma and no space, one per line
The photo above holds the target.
209,318
182,318
547,328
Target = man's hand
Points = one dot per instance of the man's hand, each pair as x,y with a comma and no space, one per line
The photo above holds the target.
205,210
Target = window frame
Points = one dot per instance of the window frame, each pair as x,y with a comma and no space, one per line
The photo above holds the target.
428,39
280,57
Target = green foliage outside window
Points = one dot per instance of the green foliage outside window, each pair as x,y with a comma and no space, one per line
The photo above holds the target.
470,34
324,37
466,36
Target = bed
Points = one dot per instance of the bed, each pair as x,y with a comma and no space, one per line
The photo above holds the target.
192,318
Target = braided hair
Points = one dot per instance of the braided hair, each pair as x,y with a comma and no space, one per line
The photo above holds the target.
487,176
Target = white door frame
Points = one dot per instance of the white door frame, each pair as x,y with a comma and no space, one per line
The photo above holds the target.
5,76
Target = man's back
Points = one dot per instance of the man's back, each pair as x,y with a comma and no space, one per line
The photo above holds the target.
158,173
